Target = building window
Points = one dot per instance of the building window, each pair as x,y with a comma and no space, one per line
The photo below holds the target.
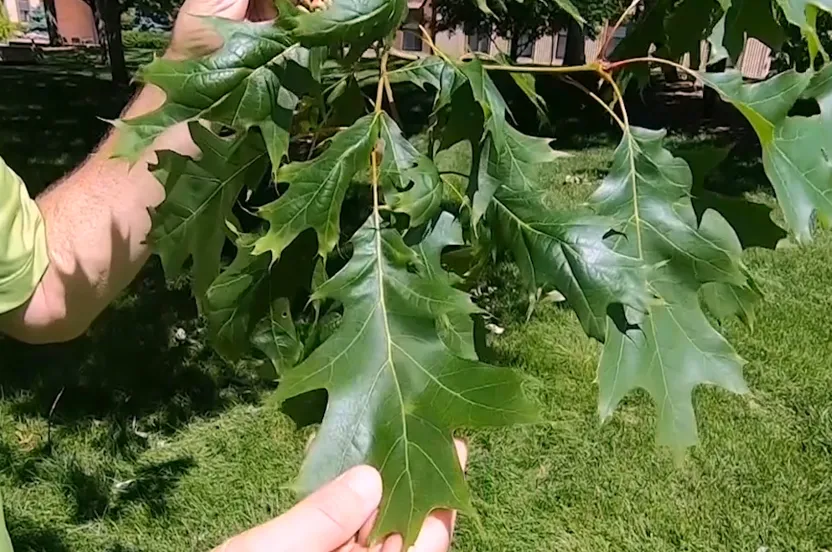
525,46
411,34
23,10
619,35
479,40
560,44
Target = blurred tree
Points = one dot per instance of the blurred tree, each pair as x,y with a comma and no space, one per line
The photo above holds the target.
524,21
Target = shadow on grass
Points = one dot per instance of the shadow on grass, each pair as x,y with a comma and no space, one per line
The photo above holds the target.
29,536
52,112
133,364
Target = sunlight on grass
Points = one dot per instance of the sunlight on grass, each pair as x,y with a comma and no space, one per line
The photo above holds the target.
155,444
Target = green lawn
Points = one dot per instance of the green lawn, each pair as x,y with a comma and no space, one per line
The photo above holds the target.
133,439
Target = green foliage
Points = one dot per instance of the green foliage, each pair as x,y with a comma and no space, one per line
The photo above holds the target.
651,266
526,20
145,39
7,27
395,385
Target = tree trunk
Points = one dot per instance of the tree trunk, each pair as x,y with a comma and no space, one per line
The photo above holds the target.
100,32
575,45
514,50
110,13
51,13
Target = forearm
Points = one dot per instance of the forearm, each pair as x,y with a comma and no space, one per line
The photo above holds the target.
97,220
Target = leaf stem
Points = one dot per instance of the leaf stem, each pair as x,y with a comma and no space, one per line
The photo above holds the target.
625,62
457,173
587,68
600,102
382,79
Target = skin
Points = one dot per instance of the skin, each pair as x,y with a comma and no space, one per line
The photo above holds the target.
339,518
97,219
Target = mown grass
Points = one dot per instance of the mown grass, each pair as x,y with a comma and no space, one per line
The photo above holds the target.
132,438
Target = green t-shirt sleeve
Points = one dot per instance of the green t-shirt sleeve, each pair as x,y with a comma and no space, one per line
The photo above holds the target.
23,256
5,541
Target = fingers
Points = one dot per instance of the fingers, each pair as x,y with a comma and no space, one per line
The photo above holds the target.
322,522
227,9
261,10
438,530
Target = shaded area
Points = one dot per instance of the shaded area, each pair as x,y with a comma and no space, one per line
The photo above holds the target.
51,112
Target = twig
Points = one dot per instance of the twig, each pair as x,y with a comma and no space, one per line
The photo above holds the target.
662,61
455,173
391,101
595,97
602,53
395,52
588,68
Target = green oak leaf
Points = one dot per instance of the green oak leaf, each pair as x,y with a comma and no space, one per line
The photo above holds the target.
647,30
275,334
317,189
726,301
411,181
804,14
254,80
672,348
232,299
750,220
357,23
750,18
396,392
200,194
566,5
528,85
488,96
795,149
455,329
560,249
691,22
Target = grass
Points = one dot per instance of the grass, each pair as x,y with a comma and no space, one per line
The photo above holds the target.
133,439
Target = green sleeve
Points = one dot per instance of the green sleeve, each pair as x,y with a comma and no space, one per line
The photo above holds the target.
5,541
23,257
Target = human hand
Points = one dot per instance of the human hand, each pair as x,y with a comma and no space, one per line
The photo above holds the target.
339,518
192,37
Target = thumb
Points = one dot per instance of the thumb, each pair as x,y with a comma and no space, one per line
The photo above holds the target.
322,522
226,9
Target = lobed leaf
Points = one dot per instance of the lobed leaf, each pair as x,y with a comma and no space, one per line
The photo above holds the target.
804,14
231,300
795,148
357,23
254,80
410,179
396,391
565,250
275,334
317,189
199,197
673,348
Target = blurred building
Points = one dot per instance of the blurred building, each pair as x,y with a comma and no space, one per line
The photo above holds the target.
548,50
75,21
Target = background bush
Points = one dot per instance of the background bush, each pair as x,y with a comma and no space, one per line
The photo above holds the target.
146,39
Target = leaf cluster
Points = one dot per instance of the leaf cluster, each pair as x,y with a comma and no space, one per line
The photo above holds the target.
344,231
